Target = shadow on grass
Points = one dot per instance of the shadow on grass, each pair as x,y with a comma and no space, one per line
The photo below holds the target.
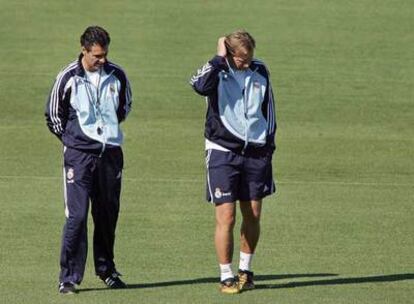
258,278
212,280
341,281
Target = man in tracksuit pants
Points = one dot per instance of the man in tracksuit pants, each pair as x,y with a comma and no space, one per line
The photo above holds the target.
239,134
89,99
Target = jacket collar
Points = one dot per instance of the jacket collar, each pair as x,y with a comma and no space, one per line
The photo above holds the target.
254,66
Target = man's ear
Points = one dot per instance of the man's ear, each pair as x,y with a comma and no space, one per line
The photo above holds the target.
84,50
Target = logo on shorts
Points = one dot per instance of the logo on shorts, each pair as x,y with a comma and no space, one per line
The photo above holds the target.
219,194
70,175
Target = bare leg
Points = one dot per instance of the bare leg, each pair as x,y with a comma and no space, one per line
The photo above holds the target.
250,227
225,219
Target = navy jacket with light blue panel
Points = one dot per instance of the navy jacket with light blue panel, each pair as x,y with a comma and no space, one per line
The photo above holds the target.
79,118
238,120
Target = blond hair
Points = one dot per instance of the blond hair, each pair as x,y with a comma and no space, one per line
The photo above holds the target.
240,39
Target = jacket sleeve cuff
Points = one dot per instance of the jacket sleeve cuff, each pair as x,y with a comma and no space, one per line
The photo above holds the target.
218,62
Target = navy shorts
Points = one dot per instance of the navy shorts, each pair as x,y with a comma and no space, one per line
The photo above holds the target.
232,177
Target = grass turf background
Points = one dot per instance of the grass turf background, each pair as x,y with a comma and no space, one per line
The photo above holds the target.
339,229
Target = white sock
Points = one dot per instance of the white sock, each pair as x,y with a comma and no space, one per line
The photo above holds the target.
245,261
225,272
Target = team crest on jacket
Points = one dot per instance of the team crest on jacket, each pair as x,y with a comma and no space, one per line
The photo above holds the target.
70,175
112,88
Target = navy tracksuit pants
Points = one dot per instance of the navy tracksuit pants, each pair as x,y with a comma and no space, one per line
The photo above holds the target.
91,178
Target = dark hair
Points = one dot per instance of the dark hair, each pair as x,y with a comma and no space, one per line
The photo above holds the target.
95,35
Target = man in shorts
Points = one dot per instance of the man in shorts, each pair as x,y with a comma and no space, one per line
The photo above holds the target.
240,140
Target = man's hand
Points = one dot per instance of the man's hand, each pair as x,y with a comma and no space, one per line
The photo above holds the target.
221,47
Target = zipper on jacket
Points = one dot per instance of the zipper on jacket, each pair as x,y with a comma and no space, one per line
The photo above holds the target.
101,116
96,106
245,100
103,150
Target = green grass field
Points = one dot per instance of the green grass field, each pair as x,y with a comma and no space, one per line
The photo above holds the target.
340,228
